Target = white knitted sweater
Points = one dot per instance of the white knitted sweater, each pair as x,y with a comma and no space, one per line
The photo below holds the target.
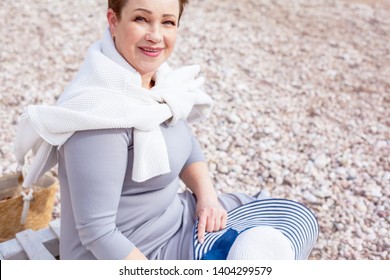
106,93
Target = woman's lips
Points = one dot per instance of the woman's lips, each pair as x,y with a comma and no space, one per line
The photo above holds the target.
153,52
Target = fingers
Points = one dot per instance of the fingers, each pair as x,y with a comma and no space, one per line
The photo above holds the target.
211,220
224,220
202,226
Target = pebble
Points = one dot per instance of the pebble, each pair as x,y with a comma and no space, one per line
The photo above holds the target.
233,118
224,146
268,130
375,192
309,197
321,161
383,232
340,226
237,168
361,206
223,169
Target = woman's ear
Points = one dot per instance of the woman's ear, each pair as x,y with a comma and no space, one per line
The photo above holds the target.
112,21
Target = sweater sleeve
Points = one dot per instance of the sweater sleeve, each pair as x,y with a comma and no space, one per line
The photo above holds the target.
96,163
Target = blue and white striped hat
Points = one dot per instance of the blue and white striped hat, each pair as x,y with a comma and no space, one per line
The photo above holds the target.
291,218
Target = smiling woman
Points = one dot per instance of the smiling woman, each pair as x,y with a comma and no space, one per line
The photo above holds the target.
120,135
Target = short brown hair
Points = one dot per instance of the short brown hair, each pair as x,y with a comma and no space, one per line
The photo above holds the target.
117,6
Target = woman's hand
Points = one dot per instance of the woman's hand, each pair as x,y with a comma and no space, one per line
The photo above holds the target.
212,217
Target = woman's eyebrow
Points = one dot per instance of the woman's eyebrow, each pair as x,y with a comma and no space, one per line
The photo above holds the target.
150,12
143,10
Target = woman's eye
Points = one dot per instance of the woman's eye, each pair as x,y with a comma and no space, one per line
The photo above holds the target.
170,22
140,19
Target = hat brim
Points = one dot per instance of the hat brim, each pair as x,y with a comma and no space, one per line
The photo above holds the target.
292,218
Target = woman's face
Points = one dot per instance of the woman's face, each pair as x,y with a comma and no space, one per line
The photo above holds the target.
146,33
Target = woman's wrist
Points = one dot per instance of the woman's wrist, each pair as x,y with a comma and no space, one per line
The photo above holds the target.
136,254
204,196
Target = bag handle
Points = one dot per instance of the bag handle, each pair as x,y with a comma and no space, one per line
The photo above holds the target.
30,177
27,195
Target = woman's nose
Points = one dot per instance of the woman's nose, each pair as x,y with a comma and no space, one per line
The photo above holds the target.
154,34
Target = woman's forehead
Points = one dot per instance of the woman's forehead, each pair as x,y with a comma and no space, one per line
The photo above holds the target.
157,5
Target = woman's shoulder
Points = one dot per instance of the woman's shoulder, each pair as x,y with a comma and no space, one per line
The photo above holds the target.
101,137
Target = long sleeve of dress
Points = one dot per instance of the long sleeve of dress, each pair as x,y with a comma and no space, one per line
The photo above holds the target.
96,163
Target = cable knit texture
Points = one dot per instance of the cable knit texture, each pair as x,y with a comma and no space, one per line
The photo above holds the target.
106,93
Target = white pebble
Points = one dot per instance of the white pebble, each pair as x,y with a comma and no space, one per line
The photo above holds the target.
321,161
309,197
223,169
233,118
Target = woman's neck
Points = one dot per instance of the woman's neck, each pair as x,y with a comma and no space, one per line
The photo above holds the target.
147,81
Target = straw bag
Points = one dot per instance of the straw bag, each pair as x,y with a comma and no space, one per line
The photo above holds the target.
11,205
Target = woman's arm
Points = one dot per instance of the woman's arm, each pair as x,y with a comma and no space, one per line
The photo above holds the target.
212,216
96,163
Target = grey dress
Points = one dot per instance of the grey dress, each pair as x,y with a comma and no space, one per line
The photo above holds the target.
105,214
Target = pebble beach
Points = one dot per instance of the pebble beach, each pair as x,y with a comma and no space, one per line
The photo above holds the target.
301,91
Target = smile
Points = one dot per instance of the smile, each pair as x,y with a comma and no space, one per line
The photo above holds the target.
153,52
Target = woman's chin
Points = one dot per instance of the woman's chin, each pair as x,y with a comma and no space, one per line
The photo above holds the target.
148,68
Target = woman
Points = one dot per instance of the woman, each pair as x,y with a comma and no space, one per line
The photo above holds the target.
123,143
